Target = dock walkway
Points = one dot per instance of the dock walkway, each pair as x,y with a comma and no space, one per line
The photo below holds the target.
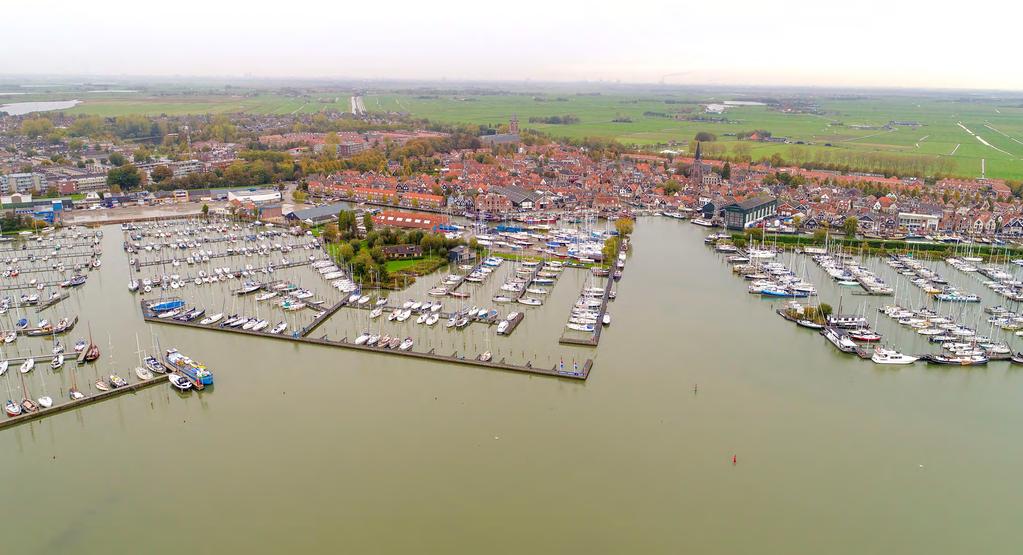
88,400
454,358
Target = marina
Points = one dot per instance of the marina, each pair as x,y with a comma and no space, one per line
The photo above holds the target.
694,392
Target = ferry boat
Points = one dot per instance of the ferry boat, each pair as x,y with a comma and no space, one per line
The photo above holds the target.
194,371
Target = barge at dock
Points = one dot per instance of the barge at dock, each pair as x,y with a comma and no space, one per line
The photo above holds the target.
195,372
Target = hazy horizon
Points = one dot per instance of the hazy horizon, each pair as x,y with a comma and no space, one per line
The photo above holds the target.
794,43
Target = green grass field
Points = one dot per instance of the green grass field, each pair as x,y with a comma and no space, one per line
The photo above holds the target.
1000,124
848,123
175,102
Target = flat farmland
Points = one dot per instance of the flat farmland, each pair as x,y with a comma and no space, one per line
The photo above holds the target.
270,104
841,128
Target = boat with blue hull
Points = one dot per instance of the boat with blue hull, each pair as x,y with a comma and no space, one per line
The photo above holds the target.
196,372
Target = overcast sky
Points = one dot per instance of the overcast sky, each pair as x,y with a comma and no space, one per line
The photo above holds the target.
899,43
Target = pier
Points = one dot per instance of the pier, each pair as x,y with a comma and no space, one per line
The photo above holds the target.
462,279
594,339
88,400
323,317
453,358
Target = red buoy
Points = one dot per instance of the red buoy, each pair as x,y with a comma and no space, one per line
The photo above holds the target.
734,459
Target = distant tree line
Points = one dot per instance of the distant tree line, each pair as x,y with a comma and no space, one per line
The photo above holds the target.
566,119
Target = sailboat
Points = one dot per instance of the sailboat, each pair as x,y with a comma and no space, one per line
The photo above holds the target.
27,404
44,401
74,394
141,371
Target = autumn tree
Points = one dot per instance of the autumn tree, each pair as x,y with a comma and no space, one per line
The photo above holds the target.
624,226
161,173
850,226
126,177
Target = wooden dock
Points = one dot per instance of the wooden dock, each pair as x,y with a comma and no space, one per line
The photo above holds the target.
514,323
462,280
88,400
594,339
306,331
453,358
52,302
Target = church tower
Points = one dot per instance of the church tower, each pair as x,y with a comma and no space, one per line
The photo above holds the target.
696,172
513,125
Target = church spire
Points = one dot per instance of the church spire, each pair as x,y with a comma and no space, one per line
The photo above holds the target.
698,158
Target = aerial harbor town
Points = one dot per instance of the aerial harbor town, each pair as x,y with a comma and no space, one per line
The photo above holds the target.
495,247
507,291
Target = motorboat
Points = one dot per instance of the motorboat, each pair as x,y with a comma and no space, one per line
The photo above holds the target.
376,312
57,361
840,339
579,327
485,357
891,356
958,360
432,319
143,373
45,401
153,364
362,339
28,365
102,385
406,344
11,408
865,334
179,382
3,366
117,381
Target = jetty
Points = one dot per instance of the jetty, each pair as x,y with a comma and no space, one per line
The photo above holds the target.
88,400
453,358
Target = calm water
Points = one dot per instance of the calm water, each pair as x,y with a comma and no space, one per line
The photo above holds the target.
318,448
22,108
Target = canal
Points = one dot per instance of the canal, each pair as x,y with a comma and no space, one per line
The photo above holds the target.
305,447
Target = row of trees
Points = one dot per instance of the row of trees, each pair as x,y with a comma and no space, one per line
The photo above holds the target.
567,119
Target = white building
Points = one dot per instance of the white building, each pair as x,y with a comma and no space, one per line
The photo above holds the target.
22,183
916,222
255,196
